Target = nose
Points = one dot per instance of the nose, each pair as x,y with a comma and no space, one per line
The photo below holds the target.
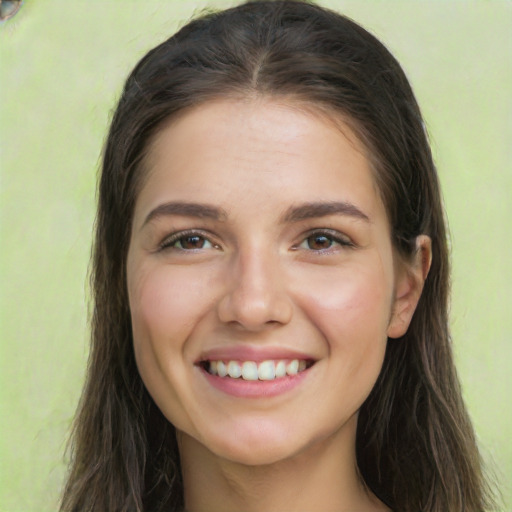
255,296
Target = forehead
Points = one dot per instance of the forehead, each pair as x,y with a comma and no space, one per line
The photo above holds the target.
228,149
270,113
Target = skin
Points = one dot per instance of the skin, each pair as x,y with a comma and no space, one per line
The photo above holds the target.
329,286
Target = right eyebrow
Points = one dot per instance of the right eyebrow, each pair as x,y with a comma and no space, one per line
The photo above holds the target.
323,209
198,210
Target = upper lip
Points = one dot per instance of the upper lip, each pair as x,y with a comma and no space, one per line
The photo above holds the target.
248,353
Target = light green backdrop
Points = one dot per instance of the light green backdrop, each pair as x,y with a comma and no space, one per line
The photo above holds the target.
62,63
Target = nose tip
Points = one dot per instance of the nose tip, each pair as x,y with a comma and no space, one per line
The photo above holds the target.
254,313
256,298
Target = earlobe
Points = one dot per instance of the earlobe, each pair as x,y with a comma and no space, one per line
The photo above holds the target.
409,286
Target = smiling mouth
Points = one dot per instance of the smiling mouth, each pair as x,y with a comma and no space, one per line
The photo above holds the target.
252,371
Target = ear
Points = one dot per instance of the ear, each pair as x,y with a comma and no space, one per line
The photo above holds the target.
408,287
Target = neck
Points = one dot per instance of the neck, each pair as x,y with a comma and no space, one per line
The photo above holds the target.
322,477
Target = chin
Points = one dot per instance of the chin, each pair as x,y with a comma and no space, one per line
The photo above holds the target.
256,455
254,445
262,444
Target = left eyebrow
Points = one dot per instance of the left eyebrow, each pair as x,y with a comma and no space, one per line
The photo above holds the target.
197,210
321,209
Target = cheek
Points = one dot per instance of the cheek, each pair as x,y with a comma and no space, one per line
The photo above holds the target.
351,309
164,310
355,301
165,304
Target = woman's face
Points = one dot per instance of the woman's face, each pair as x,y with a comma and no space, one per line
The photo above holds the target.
260,247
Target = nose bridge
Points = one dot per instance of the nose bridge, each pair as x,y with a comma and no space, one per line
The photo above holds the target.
256,294
257,276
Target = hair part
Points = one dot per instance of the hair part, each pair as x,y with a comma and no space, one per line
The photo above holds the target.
416,449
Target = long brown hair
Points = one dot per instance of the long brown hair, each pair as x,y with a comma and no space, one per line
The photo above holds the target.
416,448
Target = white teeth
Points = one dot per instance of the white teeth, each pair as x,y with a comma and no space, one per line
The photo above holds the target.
234,370
221,369
250,370
280,369
267,370
292,368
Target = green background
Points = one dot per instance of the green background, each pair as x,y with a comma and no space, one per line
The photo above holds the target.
62,63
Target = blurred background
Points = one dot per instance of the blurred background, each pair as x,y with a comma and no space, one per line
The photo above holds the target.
62,65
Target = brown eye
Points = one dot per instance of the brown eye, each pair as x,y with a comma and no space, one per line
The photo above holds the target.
319,242
192,242
187,242
325,240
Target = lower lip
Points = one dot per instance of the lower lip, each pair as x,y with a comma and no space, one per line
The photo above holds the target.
255,388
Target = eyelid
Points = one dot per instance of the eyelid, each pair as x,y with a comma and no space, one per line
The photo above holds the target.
336,236
172,238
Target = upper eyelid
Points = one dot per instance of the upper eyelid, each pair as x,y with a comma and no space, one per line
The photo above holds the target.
340,239
332,233
175,236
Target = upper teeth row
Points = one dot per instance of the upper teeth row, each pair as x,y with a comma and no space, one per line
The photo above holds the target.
250,370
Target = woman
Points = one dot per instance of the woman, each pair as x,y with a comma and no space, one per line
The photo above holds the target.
271,283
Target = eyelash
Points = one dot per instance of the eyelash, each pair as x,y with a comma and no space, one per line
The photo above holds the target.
173,239
332,236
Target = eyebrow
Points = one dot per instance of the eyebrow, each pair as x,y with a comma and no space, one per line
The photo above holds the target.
293,214
321,209
201,211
